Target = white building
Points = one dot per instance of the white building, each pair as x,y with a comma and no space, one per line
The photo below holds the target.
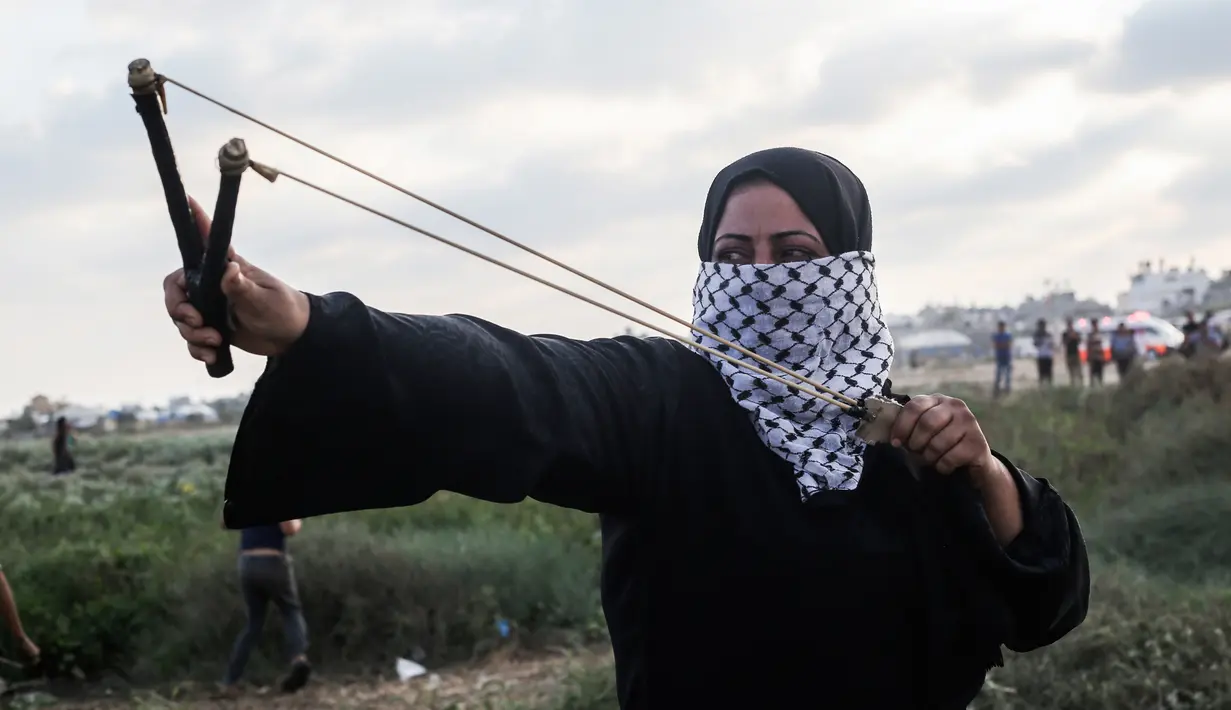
194,412
1162,290
83,418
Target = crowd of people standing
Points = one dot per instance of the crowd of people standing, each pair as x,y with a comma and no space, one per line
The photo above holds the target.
1087,354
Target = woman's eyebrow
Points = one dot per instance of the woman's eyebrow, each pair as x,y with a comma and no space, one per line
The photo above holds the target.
794,233
775,236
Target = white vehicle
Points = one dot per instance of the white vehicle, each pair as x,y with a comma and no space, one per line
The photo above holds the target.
1155,337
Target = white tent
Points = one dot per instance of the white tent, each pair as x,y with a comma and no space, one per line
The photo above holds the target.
932,340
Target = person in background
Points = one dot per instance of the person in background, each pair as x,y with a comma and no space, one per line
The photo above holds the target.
8,607
1096,354
1002,344
1214,335
1209,339
1071,340
1123,349
61,448
266,575
1045,352
1192,333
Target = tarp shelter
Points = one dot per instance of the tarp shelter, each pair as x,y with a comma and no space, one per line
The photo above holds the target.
933,345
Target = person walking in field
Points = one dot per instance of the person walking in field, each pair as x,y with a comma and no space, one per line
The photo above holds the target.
62,448
265,576
1070,339
1002,345
8,607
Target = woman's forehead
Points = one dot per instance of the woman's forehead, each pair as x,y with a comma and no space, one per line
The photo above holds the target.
759,203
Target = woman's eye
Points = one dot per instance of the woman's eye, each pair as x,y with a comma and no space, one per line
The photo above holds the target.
790,255
730,257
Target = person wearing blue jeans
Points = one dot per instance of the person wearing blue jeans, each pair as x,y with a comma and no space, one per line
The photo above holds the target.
1002,344
266,575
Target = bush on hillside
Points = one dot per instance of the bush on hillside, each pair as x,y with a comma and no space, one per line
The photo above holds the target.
146,584
433,595
1181,534
128,573
1167,388
141,610
1147,643
87,601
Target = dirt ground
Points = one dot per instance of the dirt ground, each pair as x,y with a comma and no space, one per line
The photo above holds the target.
1025,376
497,682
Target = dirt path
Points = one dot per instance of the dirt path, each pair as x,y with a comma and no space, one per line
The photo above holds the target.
515,679
1025,376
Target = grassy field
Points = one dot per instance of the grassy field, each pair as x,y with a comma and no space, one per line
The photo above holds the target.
125,580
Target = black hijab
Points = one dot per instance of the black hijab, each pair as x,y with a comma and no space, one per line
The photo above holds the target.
826,191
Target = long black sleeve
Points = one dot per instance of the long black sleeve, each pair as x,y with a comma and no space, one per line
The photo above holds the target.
374,410
1044,574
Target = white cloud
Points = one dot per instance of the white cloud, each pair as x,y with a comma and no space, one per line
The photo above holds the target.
1002,143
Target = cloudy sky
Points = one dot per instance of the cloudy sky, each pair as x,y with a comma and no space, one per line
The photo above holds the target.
1003,144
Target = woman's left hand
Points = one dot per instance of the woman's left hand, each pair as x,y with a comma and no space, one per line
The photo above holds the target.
944,433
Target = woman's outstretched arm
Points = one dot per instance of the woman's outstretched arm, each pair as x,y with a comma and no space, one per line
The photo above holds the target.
373,410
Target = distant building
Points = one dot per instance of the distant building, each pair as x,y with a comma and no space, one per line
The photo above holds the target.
84,418
1218,296
193,412
901,322
1054,308
966,320
1165,291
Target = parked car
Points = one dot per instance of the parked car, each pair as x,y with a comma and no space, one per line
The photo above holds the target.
1155,337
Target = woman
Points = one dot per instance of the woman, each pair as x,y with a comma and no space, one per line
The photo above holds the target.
1096,354
745,527
61,448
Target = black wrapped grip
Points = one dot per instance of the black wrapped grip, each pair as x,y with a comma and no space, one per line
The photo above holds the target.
204,259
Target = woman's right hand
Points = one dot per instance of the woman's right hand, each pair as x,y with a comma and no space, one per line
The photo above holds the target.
269,316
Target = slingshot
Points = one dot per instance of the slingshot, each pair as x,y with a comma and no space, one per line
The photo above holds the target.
205,258
206,261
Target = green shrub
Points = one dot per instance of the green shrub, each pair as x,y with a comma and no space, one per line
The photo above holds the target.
369,599
1167,388
1147,643
86,602
1180,534
589,689
122,566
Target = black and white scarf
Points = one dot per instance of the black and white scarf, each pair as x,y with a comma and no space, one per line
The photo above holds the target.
821,319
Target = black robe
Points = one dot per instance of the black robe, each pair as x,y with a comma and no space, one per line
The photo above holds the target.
721,588
62,458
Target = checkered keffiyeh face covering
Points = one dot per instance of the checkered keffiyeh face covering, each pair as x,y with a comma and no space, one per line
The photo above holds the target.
821,319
